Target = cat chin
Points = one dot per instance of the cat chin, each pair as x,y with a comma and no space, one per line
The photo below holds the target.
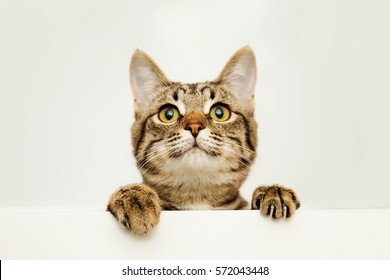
195,156
195,150
197,160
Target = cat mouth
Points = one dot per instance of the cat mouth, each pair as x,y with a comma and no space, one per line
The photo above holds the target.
195,148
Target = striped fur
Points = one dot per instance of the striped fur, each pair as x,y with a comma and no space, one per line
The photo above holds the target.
182,176
184,167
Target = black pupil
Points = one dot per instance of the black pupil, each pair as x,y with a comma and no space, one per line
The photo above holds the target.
169,114
218,113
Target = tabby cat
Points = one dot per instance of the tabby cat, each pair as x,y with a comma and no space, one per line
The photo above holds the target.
194,145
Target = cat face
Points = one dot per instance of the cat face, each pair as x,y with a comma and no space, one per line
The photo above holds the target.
203,133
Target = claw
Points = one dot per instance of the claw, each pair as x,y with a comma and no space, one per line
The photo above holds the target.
284,211
272,209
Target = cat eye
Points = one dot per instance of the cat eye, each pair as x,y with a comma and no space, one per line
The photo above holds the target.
168,114
220,113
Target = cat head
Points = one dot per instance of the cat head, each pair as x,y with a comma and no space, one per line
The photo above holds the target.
202,126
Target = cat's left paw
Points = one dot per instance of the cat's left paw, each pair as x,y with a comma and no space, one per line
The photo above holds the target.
275,201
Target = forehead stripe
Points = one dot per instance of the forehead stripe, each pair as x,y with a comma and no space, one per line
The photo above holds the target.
206,88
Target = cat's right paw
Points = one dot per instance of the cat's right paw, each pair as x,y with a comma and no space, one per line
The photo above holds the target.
136,207
275,201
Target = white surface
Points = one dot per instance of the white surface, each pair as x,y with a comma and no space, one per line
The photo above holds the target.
320,234
322,96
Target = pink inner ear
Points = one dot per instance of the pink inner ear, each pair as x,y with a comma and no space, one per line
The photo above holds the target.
239,76
241,81
145,77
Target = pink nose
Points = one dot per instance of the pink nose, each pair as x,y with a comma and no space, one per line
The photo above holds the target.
194,127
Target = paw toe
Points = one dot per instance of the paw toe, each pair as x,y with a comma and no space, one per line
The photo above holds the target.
275,201
136,207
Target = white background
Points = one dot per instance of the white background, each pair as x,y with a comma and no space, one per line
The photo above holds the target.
322,99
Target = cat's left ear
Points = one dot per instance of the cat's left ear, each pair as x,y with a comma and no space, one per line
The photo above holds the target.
145,80
239,76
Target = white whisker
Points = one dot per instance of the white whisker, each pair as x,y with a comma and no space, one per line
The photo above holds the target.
240,146
156,154
251,162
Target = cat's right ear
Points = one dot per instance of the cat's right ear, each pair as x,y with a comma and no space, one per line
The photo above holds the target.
145,79
239,76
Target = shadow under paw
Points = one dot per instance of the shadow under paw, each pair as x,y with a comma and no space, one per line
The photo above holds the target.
275,201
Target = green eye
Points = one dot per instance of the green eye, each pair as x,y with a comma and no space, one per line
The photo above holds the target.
168,114
220,113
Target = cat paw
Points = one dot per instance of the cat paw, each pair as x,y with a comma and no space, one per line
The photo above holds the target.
275,201
136,207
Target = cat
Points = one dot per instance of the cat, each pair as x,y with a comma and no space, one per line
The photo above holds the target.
194,145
